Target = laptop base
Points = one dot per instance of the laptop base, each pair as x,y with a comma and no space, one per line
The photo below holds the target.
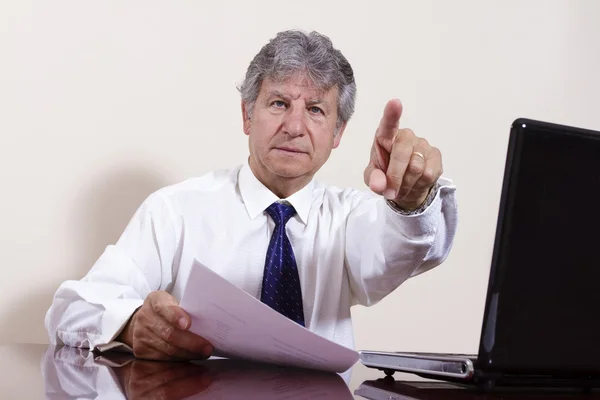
387,388
462,369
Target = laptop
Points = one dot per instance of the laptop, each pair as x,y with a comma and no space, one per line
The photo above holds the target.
541,320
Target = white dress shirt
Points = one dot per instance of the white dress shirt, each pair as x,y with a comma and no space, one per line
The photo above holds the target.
351,248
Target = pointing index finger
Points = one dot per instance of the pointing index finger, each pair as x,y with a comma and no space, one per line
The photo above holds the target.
388,126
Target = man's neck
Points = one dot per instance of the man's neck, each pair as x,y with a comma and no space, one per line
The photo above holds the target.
280,186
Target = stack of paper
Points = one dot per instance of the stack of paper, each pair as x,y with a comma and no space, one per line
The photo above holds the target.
241,327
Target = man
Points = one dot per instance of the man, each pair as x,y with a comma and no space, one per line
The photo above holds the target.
307,250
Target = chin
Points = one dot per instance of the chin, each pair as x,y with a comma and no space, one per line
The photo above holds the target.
289,170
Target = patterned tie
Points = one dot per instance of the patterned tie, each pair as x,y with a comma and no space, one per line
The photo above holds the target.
281,285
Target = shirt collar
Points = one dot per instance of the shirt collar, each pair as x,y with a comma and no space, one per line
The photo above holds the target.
257,197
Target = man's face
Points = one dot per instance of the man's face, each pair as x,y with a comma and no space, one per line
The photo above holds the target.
291,132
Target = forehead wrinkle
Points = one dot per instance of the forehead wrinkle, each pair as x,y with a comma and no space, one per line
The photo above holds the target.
300,81
316,100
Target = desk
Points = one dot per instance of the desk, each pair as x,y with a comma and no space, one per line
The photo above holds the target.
30,371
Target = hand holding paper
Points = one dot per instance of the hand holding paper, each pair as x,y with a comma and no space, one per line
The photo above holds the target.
240,326
159,331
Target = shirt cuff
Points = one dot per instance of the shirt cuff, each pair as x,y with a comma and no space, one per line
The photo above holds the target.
116,315
428,200
114,346
425,220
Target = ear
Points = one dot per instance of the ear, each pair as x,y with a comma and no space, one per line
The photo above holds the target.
246,121
337,138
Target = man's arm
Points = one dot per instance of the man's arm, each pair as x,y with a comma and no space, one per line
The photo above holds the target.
412,229
384,247
91,312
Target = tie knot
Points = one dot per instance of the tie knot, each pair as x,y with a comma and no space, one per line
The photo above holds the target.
281,213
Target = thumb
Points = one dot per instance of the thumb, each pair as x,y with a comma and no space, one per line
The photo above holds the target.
377,181
167,307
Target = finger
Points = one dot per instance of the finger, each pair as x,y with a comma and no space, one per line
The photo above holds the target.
165,305
377,181
153,330
415,168
400,156
432,171
379,160
430,176
152,347
184,340
388,126
144,350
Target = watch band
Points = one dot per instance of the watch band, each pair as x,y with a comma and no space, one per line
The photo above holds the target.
430,197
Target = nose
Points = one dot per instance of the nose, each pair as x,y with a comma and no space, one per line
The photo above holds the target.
294,123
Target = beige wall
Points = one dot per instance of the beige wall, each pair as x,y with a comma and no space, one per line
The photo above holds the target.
103,102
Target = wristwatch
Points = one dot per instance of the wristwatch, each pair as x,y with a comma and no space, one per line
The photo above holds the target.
430,197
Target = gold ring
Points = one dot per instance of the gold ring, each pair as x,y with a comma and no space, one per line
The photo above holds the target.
416,153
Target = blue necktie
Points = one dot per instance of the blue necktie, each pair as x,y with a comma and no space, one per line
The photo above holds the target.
281,285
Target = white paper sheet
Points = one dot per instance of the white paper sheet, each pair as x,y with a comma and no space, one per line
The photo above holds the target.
240,326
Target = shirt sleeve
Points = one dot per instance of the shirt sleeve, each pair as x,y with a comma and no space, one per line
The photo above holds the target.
77,374
91,312
384,247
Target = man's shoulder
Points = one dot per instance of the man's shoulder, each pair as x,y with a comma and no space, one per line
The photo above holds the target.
342,195
210,182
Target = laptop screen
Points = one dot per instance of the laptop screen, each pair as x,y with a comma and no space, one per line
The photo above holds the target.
543,308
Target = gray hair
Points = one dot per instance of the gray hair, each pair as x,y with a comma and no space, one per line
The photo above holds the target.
292,52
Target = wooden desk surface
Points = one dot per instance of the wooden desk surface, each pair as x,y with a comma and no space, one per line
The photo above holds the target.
35,371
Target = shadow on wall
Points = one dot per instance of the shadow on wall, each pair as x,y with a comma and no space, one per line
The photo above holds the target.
103,208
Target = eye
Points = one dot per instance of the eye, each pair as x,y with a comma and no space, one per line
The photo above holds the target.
278,104
316,110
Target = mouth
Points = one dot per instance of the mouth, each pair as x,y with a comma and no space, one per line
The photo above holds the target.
289,150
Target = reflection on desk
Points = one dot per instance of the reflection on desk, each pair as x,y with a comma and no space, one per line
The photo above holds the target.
30,371
78,373
388,389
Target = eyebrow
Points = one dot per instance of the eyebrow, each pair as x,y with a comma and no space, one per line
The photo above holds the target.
310,102
277,93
